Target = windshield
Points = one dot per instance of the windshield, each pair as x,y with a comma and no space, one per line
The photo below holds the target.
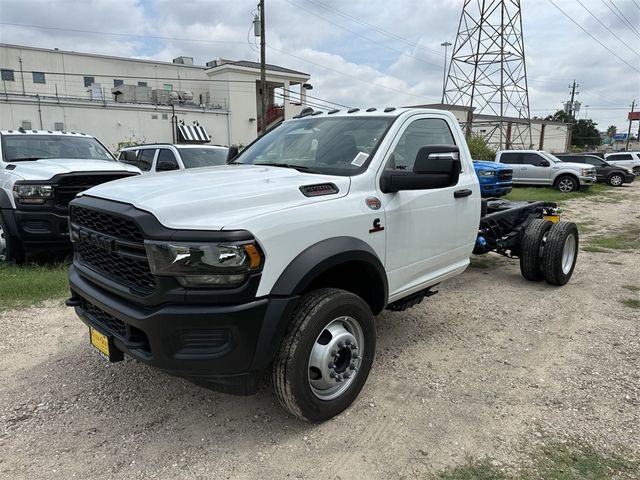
203,157
334,146
35,147
553,158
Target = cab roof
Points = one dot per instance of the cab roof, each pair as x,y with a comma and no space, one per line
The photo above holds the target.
22,131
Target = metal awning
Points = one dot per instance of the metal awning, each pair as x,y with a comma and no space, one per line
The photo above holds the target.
193,134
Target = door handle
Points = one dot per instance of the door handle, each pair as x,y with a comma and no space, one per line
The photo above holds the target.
462,193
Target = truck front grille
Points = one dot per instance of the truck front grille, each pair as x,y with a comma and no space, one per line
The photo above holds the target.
70,185
111,325
505,174
113,247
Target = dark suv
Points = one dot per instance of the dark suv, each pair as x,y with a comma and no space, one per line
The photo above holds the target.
605,172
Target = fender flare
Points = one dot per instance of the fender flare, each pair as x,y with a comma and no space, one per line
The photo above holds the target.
5,202
322,256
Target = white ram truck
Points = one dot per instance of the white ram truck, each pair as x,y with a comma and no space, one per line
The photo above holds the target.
280,260
40,173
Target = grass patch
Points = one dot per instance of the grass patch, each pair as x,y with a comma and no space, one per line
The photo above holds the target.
590,248
474,470
24,285
631,303
554,461
585,226
548,194
627,238
631,288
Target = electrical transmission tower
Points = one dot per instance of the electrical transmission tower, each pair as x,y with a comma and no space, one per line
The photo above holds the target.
487,73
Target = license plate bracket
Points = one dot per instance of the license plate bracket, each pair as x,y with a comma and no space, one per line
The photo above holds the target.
104,344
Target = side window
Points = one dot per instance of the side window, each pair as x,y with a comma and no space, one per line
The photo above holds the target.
622,156
129,157
592,161
532,159
166,161
512,158
426,131
145,159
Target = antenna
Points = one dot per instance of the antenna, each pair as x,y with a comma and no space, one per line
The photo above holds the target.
487,72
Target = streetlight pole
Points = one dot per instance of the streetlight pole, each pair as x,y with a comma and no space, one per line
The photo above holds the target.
444,70
263,79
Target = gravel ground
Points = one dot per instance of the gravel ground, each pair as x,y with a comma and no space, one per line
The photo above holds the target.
493,365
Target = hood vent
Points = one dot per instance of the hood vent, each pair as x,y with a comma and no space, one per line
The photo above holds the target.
319,190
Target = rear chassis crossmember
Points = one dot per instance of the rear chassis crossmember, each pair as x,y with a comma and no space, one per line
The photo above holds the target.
503,223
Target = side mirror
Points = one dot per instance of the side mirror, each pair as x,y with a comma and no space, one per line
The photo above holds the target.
543,163
166,166
130,156
436,166
232,153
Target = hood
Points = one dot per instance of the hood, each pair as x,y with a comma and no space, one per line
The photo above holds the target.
210,198
490,165
46,168
575,166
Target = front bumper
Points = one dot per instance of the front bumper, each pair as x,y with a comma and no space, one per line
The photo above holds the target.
629,177
496,188
222,347
587,181
38,229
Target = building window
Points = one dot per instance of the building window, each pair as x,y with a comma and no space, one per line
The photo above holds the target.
165,116
26,125
88,81
117,83
142,84
7,75
59,126
154,116
38,77
168,87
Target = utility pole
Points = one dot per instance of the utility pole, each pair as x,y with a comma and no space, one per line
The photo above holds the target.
263,72
444,71
573,97
633,105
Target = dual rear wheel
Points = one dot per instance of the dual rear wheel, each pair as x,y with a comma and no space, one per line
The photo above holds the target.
549,251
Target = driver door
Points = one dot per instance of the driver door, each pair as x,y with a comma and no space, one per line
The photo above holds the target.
429,233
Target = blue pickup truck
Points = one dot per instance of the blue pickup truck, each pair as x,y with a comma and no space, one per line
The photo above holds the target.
495,178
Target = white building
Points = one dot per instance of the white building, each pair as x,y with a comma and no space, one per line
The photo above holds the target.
126,100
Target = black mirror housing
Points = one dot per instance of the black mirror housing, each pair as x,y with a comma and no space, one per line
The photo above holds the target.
232,153
166,166
543,163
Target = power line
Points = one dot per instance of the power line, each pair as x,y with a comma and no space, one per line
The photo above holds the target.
588,33
619,17
362,36
95,32
609,30
634,29
373,27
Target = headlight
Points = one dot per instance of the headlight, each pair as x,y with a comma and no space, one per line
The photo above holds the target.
213,265
588,172
487,173
34,194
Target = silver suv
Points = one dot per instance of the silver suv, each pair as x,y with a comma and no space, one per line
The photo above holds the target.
537,167
164,157
629,160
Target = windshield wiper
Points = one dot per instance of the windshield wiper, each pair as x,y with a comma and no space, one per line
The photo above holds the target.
300,168
25,159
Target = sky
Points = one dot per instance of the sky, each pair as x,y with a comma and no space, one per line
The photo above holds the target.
361,52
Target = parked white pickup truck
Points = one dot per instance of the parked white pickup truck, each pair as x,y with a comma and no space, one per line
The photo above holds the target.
280,260
40,172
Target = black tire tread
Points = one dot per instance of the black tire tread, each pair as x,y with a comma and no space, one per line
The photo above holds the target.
15,252
306,308
530,264
553,251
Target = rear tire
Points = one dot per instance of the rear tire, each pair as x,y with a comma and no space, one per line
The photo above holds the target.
615,180
636,170
567,183
560,253
532,240
10,249
326,356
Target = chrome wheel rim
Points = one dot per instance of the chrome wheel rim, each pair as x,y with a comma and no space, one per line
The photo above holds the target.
565,185
335,358
3,245
616,180
568,254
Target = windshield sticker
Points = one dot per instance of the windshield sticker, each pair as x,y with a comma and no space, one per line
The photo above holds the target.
360,159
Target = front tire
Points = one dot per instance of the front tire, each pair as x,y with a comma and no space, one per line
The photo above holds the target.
615,180
560,253
636,170
567,183
326,356
10,249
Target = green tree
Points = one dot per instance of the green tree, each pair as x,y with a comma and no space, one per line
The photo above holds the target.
585,134
479,148
611,131
559,116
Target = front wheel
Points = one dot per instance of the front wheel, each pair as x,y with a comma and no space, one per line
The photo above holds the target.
615,179
567,184
636,170
326,356
10,248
